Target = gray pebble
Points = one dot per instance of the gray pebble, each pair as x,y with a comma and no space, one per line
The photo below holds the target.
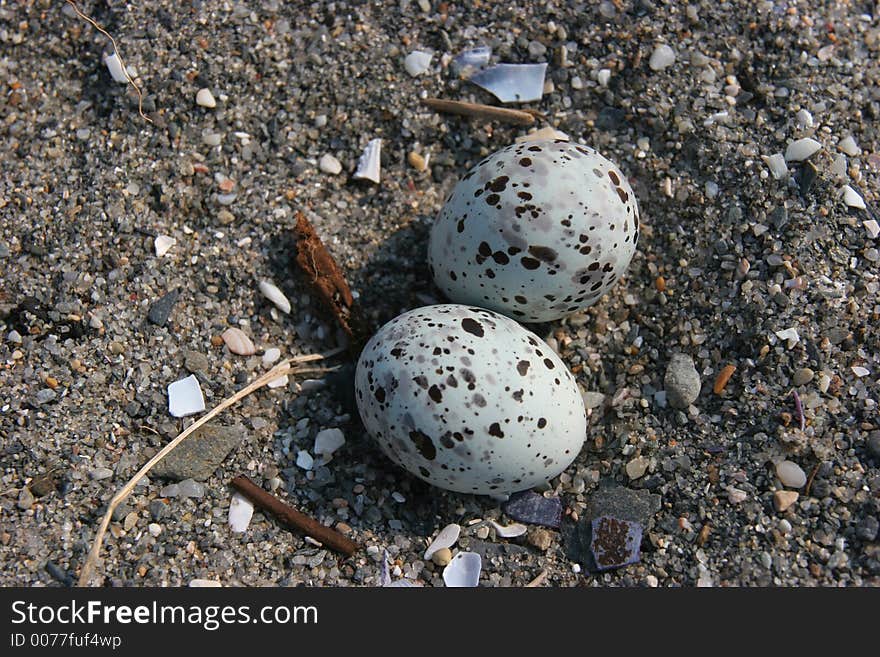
191,488
161,309
158,509
25,499
100,473
874,444
682,381
195,361
45,396
802,376
199,455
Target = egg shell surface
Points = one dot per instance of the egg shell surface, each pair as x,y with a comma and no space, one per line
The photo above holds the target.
537,231
470,401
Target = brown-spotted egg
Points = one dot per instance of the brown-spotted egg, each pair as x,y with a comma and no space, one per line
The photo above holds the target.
468,400
536,231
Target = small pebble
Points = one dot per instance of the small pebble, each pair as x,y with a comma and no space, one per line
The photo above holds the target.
205,98
791,474
162,244
329,164
776,164
783,499
417,62
637,467
848,145
871,226
803,376
237,342
540,538
100,473
682,381
154,529
442,556
662,57
802,149
271,355
416,161
25,499
852,198
161,309
195,361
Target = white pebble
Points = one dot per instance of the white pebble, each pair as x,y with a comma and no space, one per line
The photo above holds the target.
791,474
212,139
114,65
790,335
241,510
154,529
603,77
205,584
776,164
872,227
398,497
851,197
417,62
735,495
185,397
205,98
280,382
711,189
860,371
163,244
329,164
662,57
304,460
276,296
271,355
838,166
801,149
804,119
328,441
849,146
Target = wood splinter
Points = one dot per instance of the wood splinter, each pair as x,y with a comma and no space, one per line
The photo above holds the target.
518,117
293,518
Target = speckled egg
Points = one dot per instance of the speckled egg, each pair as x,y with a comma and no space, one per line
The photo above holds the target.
536,231
468,400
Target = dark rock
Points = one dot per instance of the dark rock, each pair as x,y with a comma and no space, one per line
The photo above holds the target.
806,178
779,217
535,509
43,484
610,118
199,455
487,549
874,444
59,574
614,542
161,309
158,509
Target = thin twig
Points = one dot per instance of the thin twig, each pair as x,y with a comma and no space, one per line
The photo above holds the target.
810,479
118,54
284,367
519,117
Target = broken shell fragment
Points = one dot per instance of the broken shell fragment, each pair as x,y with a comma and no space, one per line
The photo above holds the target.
802,149
851,197
237,342
185,397
240,513
543,134
163,244
205,98
328,441
510,531
276,296
368,164
417,62
445,539
114,65
513,83
467,62
463,570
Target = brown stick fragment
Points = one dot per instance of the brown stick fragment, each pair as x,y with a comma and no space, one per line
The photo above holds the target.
323,273
723,377
518,117
810,479
293,518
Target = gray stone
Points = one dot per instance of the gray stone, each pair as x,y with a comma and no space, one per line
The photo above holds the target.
100,473
195,361
190,488
158,509
161,309
802,376
199,455
682,381
874,444
25,499
45,396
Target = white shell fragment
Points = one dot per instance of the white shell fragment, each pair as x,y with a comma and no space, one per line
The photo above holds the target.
851,197
736,495
603,77
849,146
328,441
205,584
163,244
510,531
368,164
241,510
402,584
463,570
237,342
304,460
872,227
513,83
802,149
205,98
838,166
662,57
804,119
542,135
790,335
776,164
446,538
280,382
276,296
860,371
114,65
417,62
185,397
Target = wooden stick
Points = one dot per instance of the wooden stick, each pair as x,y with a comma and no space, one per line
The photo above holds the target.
293,518
519,117
282,368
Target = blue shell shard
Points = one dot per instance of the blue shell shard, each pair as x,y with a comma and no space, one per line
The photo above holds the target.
513,83
534,509
615,542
